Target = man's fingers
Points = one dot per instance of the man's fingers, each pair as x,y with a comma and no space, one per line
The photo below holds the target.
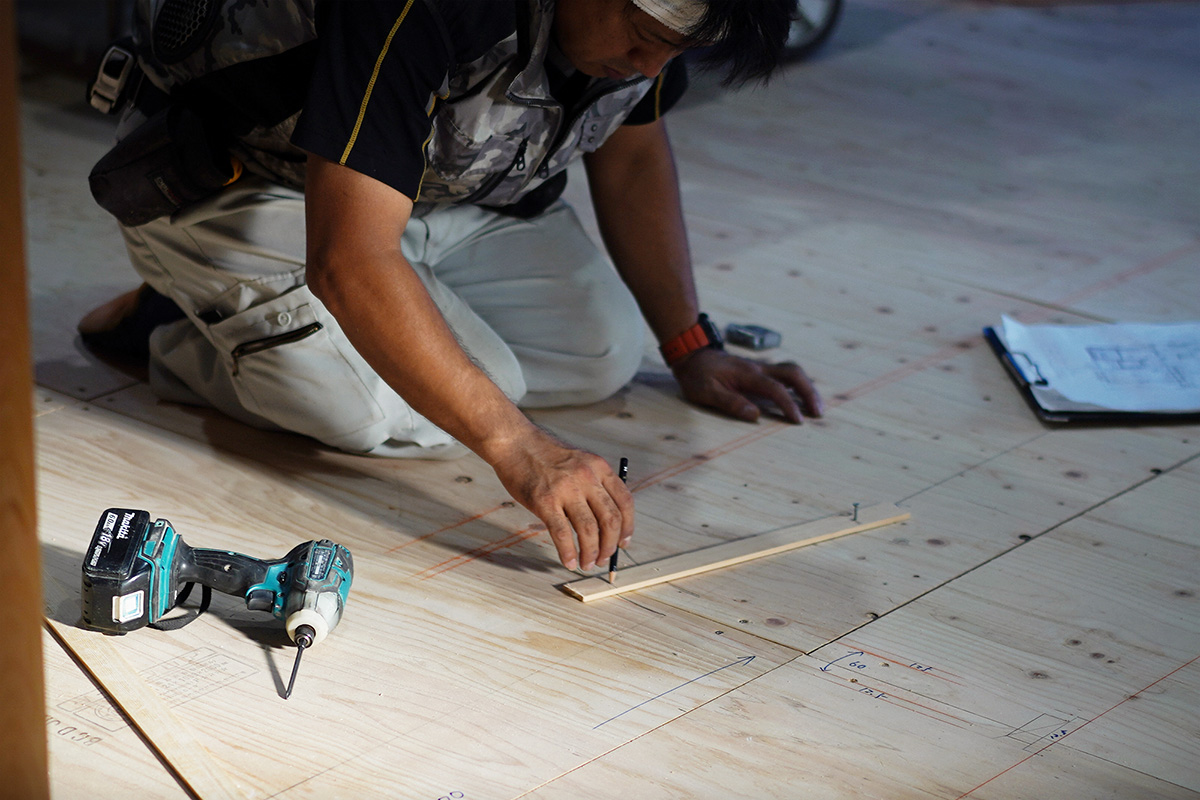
609,515
587,532
794,377
603,524
779,394
734,403
560,533
760,384
728,383
811,400
729,395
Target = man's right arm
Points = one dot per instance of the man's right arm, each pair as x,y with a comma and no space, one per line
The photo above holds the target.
356,269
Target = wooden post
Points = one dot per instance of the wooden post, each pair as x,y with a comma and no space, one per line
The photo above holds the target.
23,763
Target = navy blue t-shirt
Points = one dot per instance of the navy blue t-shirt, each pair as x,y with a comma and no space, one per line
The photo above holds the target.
382,64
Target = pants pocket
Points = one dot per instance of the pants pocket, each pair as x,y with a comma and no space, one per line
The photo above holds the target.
290,363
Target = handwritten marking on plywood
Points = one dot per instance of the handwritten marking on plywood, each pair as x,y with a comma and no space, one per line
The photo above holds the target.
851,664
740,662
1046,729
195,673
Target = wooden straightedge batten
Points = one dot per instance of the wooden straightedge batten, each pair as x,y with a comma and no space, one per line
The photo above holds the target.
736,552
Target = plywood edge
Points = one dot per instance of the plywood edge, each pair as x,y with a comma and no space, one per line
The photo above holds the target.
161,729
183,755
739,551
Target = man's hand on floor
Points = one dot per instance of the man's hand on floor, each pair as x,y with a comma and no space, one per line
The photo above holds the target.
729,383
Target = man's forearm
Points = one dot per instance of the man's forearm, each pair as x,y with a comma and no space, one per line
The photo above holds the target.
392,321
356,269
635,191
389,317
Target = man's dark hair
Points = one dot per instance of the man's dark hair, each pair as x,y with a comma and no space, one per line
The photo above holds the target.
747,37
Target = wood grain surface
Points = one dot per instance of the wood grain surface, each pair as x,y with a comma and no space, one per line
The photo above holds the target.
1031,630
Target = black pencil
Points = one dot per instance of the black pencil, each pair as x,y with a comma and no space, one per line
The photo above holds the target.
622,473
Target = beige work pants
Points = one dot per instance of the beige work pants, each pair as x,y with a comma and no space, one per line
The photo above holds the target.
533,302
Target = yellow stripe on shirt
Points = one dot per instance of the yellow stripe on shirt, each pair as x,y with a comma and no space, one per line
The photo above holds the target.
422,181
658,84
362,109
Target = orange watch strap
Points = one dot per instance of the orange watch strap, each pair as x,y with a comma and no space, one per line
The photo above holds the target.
691,340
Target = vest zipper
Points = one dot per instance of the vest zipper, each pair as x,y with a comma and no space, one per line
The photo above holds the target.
585,103
491,183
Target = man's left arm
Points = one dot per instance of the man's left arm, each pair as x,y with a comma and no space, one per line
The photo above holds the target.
635,192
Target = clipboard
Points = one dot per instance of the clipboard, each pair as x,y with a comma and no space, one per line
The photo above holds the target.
1052,407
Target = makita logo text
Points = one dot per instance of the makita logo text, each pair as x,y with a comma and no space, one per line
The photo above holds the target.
106,536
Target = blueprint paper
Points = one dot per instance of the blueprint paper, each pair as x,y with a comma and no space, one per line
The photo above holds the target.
1124,367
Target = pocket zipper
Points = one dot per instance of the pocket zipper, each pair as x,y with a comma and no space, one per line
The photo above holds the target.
266,343
495,179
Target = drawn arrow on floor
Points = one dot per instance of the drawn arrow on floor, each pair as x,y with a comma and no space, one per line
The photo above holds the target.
741,661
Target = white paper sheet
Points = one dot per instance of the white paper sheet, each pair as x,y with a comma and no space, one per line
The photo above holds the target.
1124,367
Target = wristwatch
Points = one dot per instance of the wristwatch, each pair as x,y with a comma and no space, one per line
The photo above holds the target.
703,334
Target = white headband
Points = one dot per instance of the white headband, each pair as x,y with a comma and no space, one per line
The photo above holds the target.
681,16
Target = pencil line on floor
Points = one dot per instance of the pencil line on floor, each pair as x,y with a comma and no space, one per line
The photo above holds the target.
1081,727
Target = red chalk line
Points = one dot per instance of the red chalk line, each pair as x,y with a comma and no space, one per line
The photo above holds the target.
774,427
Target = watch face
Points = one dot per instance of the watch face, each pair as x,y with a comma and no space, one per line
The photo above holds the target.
711,331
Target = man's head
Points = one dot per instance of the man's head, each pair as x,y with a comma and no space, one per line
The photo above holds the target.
621,38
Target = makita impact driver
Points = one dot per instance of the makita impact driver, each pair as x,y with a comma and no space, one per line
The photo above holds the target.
135,571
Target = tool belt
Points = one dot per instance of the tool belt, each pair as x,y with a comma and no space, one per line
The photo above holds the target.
169,162
181,153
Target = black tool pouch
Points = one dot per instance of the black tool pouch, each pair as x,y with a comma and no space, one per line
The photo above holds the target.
170,161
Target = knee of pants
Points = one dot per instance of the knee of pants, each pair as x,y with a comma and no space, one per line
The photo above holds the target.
617,366
561,379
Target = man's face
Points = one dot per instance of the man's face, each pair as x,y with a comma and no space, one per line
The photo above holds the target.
614,38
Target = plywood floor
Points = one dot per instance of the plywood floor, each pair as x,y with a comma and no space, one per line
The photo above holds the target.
1032,632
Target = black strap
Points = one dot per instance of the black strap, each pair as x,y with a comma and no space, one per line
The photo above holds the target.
175,623
262,92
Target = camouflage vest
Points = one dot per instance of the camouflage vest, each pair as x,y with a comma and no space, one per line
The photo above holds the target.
500,133
497,134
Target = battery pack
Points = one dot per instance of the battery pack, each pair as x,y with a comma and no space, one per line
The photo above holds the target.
753,337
